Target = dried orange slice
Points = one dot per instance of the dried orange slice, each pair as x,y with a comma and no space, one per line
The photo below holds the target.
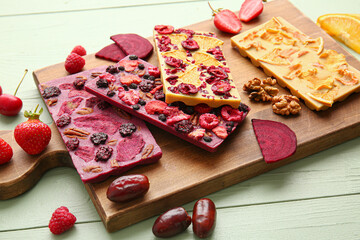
179,54
343,27
177,38
321,99
205,59
315,44
191,76
206,43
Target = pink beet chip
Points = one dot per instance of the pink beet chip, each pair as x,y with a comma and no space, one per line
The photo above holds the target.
111,52
133,44
276,140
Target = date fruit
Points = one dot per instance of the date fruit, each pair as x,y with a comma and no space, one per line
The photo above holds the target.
129,187
204,216
171,223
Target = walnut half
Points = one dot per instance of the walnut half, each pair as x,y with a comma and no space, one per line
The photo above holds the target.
261,90
286,105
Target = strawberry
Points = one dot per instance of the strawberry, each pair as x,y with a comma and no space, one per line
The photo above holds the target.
74,63
33,135
226,20
6,152
61,220
250,9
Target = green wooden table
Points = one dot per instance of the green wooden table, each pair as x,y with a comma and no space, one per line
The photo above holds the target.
317,197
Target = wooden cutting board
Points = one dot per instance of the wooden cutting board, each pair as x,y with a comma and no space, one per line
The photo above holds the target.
185,172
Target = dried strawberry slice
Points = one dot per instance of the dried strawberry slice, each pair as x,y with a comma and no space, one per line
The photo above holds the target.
218,72
231,114
175,115
202,108
220,131
173,62
154,71
155,107
164,29
108,77
190,44
130,97
197,134
208,121
129,65
129,79
220,88
187,89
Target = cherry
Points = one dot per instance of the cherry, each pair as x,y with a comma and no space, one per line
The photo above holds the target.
0,90
10,105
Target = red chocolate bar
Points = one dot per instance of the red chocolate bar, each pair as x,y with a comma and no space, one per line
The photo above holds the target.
135,86
102,140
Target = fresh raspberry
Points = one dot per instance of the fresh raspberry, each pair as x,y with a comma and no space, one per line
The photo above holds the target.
6,152
74,63
220,131
202,108
80,50
61,220
208,121
231,114
155,107
130,97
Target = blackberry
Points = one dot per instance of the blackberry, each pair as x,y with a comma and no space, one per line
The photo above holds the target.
102,83
141,66
162,117
121,68
146,86
52,91
151,78
142,102
127,129
79,83
133,57
98,138
63,121
110,93
136,106
146,76
126,88
243,108
103,105
207,139
184,126
159,95
72,144
133,86
112,69
103,153
229,127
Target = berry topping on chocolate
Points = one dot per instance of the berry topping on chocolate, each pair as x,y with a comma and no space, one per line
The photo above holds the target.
102,83
207,139
133,57
184,126
187,89
174,62
190,44
50,92
159,95
133,86
136,106
98,138
202,108
110,93
63,120
146,85
162,117
112,69
231,114
130,97
72,144
221,88
142,102
103,105
121,68
154,71
244,108
172,79
127,129
155,107
188,109
218,72
164,29
103,153
208,121
79,83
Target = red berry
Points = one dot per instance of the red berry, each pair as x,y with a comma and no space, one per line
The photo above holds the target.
197,134
74,63
231,114
0,90
220,88
130,97
250,9
190,44
208,121
202,108
155,107
164,29
129,65
61,220
220,131
33,135
154,71
6,152
10,105
226,21
80,50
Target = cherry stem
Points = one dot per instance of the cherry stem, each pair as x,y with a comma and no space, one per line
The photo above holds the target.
214,11
20,81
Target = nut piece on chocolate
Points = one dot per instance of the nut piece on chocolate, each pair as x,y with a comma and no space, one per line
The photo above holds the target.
286,105
261,90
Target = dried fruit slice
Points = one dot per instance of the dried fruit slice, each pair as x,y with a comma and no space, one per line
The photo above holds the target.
179,54
276,140
133,44
206,59
206,43
315,44
111,52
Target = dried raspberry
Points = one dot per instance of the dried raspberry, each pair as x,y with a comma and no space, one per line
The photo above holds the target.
159,95
146,86
190,44
184,126
208,121
187,89
127,129
188,32
102,83
103,153
80,50
154,71
220,131
172,79
50,92
231,114
197,134
155,107
202,108
63,121
130,97
61,220
218,72
98,138
74,63
164,29
72,144
243,108
112,69
221,87
129,79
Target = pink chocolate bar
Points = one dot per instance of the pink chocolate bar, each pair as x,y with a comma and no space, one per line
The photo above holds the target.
102,140
134,86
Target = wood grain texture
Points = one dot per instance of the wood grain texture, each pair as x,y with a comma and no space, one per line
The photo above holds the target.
233,162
